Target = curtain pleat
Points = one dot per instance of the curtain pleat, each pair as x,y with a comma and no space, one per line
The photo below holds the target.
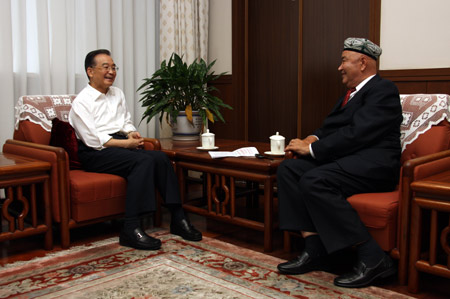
65,31
6,72
183,30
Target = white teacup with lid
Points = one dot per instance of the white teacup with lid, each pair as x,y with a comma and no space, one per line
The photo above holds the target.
208,140
277,144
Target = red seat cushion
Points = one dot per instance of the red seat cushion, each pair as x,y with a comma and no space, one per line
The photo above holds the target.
95,195
376,210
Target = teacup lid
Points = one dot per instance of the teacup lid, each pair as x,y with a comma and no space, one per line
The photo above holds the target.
207,134
277,136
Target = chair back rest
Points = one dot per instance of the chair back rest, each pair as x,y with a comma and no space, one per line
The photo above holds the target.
425,128
34,116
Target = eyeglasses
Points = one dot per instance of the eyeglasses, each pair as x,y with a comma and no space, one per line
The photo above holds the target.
107,68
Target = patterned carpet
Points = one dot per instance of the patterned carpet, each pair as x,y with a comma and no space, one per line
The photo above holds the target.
206,269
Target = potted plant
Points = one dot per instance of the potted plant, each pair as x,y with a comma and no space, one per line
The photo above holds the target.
183,90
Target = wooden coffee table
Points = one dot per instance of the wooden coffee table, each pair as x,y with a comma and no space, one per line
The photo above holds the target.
220,177
26,183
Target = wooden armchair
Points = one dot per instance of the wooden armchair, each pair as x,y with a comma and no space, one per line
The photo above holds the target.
77,197
425,131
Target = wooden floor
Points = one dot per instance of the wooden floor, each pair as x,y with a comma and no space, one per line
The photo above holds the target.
31,247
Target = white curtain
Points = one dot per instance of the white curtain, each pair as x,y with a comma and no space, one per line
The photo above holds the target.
44,43
183,30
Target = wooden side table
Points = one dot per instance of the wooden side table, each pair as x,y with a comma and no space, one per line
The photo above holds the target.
25,182
220,183
432,196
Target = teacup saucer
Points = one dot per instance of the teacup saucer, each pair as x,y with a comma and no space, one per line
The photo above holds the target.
207,149
269,153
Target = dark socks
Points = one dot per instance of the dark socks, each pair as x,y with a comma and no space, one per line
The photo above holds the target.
370,253
176,211
131,223
314,246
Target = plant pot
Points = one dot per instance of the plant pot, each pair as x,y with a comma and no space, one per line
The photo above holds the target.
184,130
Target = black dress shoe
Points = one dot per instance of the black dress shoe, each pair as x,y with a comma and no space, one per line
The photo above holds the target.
185,230
363,276
302,264
139,239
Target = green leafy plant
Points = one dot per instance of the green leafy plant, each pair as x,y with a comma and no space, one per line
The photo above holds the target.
177,86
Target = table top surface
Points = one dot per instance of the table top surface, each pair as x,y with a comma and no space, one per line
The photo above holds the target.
13,164
187,151
167,144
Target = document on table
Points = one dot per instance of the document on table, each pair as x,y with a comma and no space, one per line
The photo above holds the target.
241,152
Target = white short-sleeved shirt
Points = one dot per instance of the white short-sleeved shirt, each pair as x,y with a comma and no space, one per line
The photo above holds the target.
95,115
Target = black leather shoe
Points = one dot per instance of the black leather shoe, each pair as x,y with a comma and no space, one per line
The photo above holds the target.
302,264
185,230
363,276
139,240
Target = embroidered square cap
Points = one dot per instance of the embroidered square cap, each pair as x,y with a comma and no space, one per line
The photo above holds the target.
362,45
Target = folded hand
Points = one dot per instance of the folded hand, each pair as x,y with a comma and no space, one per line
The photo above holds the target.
298,146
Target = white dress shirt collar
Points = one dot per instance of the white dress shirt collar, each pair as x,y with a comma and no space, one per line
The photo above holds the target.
361,85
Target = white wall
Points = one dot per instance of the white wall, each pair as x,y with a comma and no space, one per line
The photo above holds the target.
414,34
219,46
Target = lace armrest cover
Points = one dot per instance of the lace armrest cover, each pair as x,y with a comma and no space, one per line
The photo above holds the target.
42,109
420,112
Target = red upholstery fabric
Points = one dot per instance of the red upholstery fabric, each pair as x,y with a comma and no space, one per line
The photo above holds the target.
63,135
378,211
436,139
431,168
95,195
31,132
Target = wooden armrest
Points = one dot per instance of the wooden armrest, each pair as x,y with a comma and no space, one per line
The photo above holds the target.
410,165
290,155
57,156
152,144
59,151
412,170
58,159
59,173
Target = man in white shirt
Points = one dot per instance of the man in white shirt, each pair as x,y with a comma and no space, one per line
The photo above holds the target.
109,143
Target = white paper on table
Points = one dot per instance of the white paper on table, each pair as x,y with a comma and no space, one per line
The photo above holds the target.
241,152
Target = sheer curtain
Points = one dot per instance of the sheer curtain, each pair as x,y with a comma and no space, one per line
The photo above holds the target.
44,43
183,30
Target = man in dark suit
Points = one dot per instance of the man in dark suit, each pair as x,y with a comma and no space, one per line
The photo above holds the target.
356,150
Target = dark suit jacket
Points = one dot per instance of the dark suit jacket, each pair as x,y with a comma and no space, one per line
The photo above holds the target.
363,137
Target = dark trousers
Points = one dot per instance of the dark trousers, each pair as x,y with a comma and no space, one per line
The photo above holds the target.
144,170
313,197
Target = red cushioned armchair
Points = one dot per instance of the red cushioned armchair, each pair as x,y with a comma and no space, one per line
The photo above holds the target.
77,197
425,132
